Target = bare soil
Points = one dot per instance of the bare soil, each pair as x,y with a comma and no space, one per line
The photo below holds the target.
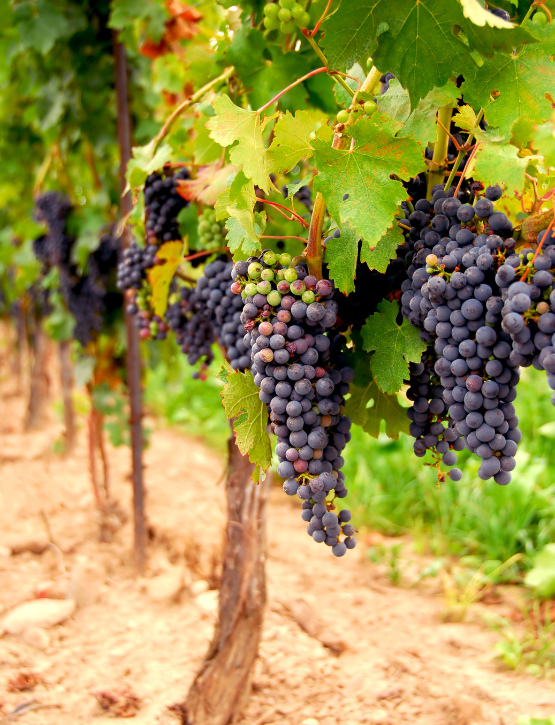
134,643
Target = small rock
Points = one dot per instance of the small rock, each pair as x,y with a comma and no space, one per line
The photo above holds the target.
21,545
86,582
165,587
310,721
43,613
208,602
199,587
36,637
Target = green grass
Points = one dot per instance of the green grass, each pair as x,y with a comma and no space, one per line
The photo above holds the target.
393,492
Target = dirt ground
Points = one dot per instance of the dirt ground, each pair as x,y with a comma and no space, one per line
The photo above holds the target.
401,664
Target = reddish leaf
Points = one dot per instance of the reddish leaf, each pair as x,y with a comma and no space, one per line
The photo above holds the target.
211,180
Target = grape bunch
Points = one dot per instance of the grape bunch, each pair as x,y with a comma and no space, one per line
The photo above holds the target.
208,312
162,206
211,233
285,16
89,293
454,296
299,366
132,278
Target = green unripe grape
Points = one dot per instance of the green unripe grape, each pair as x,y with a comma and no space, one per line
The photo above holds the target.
356,111
284,15
269,258
271,10
287,3
267,274
540,18
208,236
342,116
204,226
212,217
255,270
264,287
297,11
287,28
280,275
285,259
304,22
308,297
250,289
153,327
530,255
298,287
274,298
370,107
218,238
271,23
215,229
290,275
142,305
244,294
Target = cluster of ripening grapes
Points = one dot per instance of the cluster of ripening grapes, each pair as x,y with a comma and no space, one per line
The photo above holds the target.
211,233
162,206
286,16
298,364
485,311
210,312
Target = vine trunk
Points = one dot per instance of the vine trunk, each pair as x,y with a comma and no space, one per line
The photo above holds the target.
221,689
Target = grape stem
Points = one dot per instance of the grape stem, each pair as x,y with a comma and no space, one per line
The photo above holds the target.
204,253
322,18
324,60
294,216
174,115
464,149
467,167
295,83
440,149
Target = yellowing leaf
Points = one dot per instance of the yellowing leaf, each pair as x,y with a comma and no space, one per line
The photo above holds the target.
292,139
242,130
465,118
161,275
240,400
480,16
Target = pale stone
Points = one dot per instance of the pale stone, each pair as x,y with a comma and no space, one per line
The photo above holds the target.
36,637
310,721
199,587
43,613
208,602
165,587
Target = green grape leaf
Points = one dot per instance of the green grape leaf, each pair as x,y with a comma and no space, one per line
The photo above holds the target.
497,164
295,186
205,149
239,241
242,130
367,405
161,275
240,400
522,82
363,173
341,258
522,132
480,16
405,37
292,139
544,141
465,118
379,256
541,576
341,96
394,346
421,123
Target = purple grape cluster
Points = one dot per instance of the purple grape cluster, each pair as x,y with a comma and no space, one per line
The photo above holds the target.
299,366
208,312
454,297
162,206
